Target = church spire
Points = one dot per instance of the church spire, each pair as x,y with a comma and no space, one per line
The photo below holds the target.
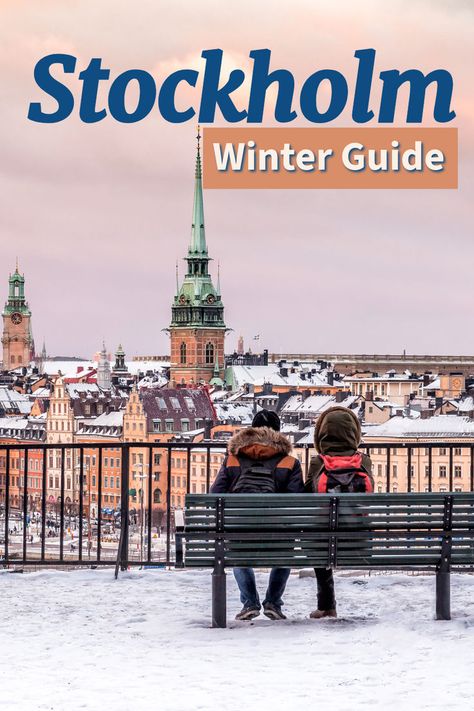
198,246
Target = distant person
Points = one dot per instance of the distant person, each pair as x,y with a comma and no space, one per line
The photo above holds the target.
338,468
259,462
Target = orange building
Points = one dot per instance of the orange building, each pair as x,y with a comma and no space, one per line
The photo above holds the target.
34,477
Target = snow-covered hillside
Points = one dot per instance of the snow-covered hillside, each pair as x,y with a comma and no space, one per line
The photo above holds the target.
82,640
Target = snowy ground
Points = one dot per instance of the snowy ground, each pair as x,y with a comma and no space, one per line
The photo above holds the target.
81,640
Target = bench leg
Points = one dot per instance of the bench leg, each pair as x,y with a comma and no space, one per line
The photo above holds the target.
219,600
443,594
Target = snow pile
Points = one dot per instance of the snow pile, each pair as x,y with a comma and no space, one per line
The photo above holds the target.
81,640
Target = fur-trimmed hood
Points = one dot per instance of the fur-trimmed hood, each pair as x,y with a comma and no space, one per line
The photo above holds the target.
259,443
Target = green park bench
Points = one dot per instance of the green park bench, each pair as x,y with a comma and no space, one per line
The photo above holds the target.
423,532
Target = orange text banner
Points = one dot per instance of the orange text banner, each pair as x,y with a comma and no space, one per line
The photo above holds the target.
272,158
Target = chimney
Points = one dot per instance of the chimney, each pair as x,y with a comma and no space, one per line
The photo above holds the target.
330,377
207,428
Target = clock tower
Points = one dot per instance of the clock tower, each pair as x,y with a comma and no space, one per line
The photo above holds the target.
197,328
17,340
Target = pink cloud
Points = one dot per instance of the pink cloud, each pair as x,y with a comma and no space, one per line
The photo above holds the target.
98,214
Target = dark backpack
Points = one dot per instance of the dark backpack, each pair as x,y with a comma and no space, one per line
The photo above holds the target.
343,475
256,477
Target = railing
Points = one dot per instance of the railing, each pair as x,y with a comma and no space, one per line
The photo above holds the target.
68,524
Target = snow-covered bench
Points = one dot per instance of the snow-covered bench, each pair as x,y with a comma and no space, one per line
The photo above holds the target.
428,531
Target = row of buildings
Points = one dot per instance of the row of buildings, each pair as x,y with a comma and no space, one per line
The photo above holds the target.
201,394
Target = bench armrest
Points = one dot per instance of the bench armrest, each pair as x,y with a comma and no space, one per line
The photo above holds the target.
179,535
179,519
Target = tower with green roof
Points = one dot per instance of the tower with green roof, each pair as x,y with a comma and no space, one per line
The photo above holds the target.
17,339
197,328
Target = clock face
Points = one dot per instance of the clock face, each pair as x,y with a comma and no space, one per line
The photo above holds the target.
16,319
182,299
211,298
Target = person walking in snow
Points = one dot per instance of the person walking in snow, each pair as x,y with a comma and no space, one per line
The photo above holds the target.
338,467
259,461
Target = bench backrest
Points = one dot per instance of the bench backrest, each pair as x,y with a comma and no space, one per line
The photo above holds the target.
346,530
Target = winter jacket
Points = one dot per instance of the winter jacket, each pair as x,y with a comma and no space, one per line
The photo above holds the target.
259,444
337,433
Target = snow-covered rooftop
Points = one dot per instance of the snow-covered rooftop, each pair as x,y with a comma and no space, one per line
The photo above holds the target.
315,404
79,368
68,368
465,405
108,419
234,412
439,426
385,377
258,375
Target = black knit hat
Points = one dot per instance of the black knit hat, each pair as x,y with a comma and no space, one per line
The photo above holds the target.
267,418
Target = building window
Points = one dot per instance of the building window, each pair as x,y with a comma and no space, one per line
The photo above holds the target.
169,425
182,353
209,353
442,451
458,472
157,496
442,472
395,470
457,451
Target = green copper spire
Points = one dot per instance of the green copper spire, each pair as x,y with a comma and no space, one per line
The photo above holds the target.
216,379
197,302
198,246
16,294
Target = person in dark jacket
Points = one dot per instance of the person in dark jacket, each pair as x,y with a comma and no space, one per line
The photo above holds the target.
337,435
260,444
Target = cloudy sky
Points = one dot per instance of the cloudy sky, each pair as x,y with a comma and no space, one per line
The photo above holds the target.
98,214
